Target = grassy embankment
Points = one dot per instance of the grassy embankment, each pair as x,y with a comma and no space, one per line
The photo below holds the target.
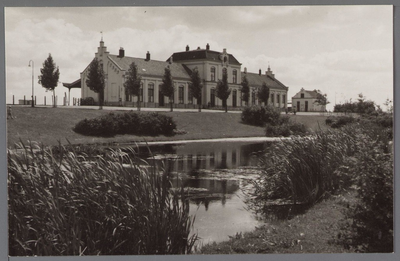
50,125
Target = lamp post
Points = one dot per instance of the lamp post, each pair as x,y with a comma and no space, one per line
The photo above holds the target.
33,97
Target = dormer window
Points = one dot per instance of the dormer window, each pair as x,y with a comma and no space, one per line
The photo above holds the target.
302,95
234,75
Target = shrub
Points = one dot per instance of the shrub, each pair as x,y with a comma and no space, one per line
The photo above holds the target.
285,129
127,123
340,121
63,204
261,115
369,223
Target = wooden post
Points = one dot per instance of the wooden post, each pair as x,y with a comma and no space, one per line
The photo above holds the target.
24,100
35,100
44,100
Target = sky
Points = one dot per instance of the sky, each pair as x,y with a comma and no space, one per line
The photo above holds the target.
341,50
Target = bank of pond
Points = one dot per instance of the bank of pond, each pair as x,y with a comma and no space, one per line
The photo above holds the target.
174,199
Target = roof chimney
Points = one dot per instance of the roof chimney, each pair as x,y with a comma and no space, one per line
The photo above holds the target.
121,52
259,72
245,69
147,56
187,48
198,48
207,47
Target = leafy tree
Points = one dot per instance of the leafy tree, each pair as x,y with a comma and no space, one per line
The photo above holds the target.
222,90
196,86
167,87
263,93
322,99
132,83
49,76
95,80
245,90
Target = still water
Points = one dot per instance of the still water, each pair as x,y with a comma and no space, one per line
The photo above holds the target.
215,174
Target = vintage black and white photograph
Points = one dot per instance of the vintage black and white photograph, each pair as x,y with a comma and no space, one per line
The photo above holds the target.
199,130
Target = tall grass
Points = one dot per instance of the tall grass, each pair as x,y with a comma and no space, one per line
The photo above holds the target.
63,204
302,169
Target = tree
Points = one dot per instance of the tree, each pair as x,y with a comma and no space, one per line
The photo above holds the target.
222,90
95,80
196,86
49,76
167,86
322,99
263,93
245,90
133,82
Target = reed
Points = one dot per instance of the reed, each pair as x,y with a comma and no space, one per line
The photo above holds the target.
65,204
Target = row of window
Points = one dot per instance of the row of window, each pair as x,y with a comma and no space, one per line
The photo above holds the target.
150,94
253,98
224,70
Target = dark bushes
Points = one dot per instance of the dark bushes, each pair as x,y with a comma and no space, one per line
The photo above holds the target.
109,125
340,121
260,115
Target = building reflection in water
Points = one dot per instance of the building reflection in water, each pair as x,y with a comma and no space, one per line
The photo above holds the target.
202,164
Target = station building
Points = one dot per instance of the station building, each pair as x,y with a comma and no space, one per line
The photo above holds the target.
210,64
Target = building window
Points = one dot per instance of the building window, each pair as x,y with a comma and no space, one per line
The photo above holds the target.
190,97
225,71
272,98
284,99
150,92
234,73
213,74
278,98
141,92
253,97
181,94
302,95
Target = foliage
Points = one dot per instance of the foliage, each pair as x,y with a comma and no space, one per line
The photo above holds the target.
49,75
368,226
222,90
245,90
285,129
196,86
263,93
261,115
361,106
149,124
87,101
132,82
95,80
339,121
322,99
167,86
299,170
65,204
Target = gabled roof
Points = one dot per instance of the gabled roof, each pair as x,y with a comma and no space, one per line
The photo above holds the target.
309,94
151,67
256,80
202,54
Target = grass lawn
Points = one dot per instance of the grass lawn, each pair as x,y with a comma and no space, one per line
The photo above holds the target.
51,125
311,232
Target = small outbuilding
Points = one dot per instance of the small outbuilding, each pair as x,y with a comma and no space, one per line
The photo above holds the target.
306,100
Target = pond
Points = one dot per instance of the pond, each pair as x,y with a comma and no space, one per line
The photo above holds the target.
215,173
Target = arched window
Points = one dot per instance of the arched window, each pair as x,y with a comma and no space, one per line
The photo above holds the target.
150,92
213,74
234,74
180,94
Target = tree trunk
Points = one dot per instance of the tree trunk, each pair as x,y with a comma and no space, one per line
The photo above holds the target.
170,102
101,95
54,101
199,103
138,103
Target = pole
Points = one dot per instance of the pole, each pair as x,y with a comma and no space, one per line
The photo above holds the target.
33,95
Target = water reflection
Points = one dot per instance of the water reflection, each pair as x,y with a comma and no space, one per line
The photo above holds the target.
213,173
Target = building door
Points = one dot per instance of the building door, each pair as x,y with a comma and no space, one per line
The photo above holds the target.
234,97
306,107
160,99
298,106
212,98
